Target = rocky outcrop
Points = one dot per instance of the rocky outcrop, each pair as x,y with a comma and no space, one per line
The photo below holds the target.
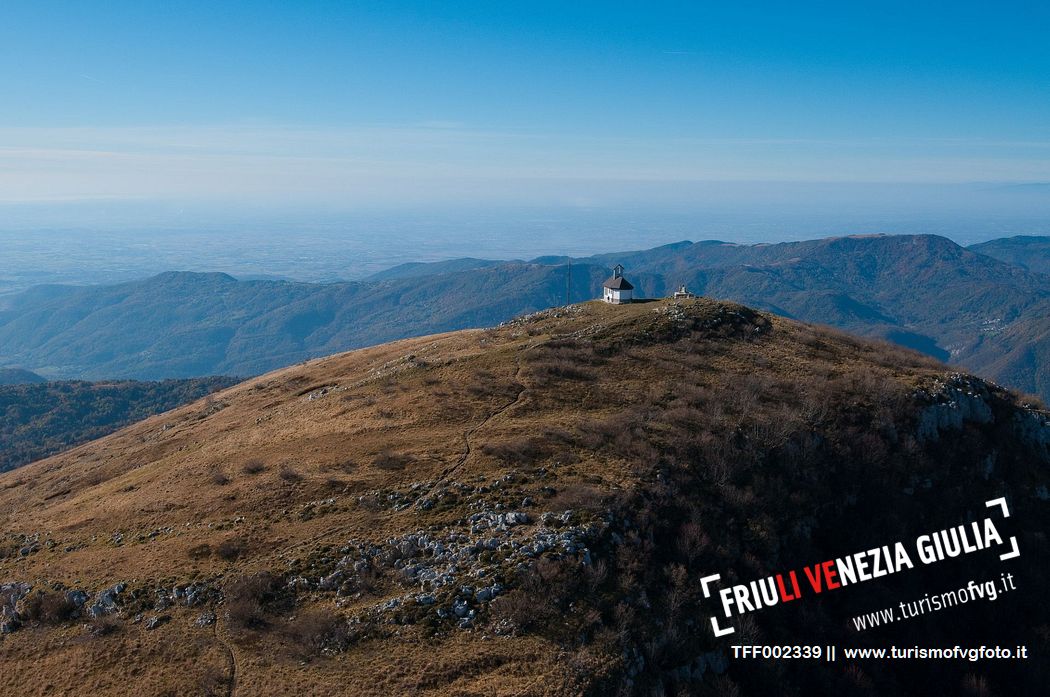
10,595
455,573
106,601
1033,428
951,403
958,399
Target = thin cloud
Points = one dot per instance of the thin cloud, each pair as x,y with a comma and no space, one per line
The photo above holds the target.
434,161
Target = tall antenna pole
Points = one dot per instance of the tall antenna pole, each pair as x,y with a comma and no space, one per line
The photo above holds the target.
568,280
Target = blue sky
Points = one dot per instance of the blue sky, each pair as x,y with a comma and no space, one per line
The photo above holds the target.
537,103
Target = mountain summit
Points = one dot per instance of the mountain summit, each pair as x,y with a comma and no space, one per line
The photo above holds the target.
528,510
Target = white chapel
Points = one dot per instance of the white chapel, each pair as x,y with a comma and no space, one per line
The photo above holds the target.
617,289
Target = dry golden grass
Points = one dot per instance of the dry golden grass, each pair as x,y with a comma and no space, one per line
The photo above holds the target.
226,487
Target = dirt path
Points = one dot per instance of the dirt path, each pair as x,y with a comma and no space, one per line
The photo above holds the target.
467,446
231,658
286,552
468,449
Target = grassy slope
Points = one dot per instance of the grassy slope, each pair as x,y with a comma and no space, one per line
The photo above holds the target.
752,427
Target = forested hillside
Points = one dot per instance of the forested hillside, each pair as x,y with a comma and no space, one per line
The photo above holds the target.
37,420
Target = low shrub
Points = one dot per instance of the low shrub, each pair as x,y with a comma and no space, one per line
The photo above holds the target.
289,474
316,631
218,477
520,451
246,599
542,594
202,551
48,607
231,549
546,371
387,460
253,466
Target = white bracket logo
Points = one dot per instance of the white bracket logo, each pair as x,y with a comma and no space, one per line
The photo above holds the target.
1001,502
719,631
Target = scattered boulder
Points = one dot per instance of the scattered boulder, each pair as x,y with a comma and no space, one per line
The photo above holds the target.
484,595
106,601
76,598
330,582
515,518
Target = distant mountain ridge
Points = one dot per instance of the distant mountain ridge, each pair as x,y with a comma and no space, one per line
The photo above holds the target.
1031,252
414,269
921,291
187,324
18,376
